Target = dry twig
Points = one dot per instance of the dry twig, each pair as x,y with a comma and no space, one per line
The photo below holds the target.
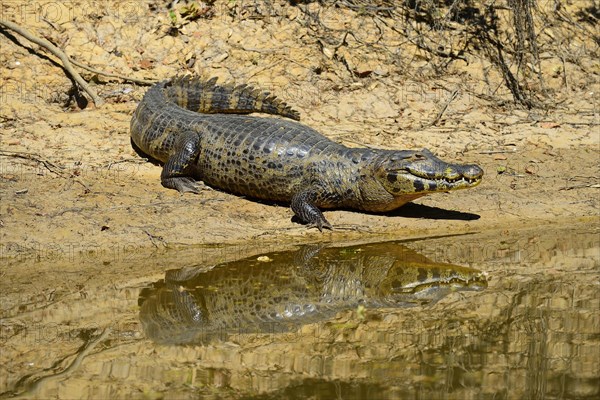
110,75
66,61
49,165
35,386
443,110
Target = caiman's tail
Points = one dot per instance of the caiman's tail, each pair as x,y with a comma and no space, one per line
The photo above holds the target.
205,96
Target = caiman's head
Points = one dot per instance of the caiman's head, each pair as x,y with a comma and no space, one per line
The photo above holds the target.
407,175
424,281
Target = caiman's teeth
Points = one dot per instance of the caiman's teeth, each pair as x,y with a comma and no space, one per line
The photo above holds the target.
454,180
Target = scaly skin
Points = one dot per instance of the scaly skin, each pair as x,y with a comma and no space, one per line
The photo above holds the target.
198,130
194,305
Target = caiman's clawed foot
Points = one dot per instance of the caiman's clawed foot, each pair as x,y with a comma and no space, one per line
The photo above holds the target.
321,224
175,173
183,184
304,208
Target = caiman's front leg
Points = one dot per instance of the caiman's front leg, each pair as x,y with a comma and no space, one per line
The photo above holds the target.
303,206
175,173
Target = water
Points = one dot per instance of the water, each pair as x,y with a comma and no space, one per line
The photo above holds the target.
279,292
532,333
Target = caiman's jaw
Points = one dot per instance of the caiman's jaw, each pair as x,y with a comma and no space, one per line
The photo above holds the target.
455,177
420,276
420,172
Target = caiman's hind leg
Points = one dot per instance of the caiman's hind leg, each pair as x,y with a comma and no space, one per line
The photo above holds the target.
175,173
303,206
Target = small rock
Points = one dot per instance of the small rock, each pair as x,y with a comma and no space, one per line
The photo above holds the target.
146,63
531,169
381,71
220,58
328,52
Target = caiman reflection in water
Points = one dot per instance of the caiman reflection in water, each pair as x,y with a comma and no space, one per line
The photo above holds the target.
279,291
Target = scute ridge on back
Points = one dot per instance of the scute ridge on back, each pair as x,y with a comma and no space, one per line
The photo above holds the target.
204,95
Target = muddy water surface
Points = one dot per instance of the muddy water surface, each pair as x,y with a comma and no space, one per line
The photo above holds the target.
497,315
280,292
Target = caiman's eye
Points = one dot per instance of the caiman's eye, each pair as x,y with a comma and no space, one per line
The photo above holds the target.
415,157
407,156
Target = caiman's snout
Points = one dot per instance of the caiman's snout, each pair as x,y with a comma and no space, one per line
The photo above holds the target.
434,175
472,172
422,172
455,172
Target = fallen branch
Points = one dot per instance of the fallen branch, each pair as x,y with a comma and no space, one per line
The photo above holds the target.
66,61
35,386
49,166
34,157
111,75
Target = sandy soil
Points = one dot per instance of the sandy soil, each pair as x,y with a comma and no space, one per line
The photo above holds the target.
71,181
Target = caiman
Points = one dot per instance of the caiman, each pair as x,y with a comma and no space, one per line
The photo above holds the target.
201,132
278,292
